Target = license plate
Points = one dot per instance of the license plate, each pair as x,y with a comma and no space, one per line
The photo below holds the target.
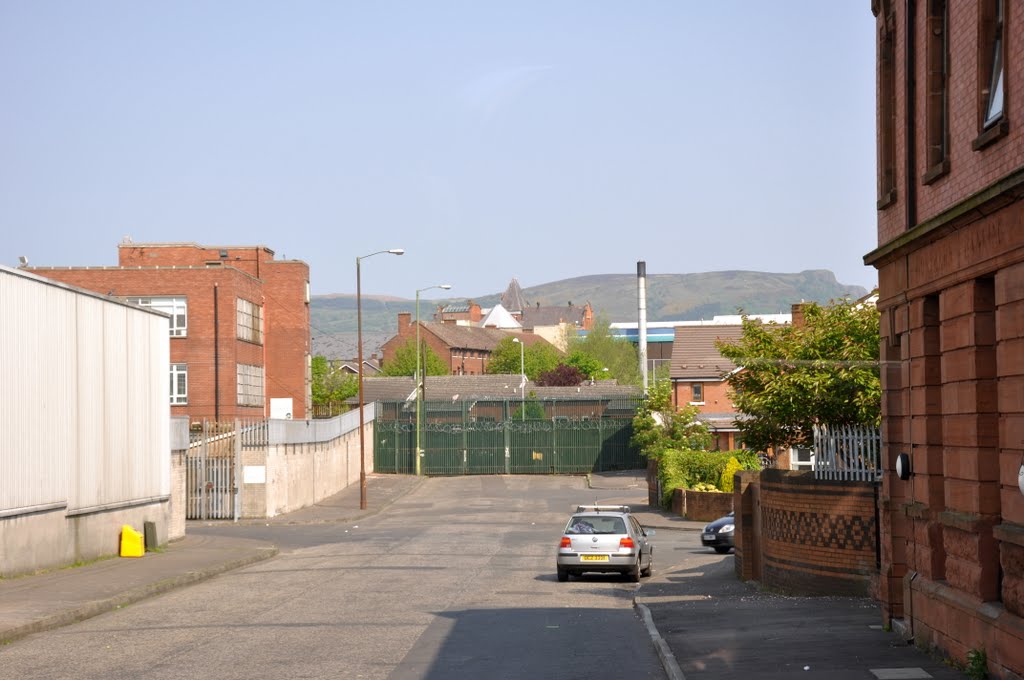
709,537
594,558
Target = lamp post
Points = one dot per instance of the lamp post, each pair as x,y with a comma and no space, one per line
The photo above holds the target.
359,352
419,380
522,371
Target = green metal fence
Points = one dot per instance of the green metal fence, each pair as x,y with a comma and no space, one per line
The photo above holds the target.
502,437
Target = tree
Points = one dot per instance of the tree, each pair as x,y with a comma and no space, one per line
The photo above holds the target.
537,358
589,367
659,426
404,361
533,408
562,375
329,385
616,354
825,371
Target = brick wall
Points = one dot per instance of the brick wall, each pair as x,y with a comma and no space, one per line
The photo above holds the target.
806,536
701,506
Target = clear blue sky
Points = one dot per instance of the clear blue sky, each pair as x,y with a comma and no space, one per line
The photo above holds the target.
541,140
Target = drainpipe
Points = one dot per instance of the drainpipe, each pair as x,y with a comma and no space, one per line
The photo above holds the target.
216,358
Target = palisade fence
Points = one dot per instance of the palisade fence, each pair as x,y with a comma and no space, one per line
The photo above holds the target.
847,452
479,437
213,462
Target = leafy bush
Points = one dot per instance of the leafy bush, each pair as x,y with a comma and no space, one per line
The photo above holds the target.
707,488
686,469
731,468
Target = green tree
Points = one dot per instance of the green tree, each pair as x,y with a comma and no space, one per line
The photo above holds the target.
588,367
404,362
534,409
537,358
331,386
825,371
659,426
605,350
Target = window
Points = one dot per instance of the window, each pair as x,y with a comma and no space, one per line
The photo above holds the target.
887,112
937,103
177,307
991,73
250,385
698,392
250,321
179,383
801,458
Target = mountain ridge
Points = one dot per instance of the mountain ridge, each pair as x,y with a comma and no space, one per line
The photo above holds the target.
670,297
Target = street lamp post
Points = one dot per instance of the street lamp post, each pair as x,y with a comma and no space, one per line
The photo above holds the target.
522,371
419,379
359,352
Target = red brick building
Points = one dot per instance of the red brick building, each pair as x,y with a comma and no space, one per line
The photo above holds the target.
950,260
239,322
466,349
699,372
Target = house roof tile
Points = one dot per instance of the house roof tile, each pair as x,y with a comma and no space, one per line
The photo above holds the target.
695,356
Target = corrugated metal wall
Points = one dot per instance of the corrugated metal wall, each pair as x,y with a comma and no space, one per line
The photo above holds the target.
84,416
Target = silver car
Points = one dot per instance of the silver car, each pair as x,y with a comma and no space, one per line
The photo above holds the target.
605,538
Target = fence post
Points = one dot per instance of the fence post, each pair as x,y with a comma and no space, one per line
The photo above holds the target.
202,470
237,479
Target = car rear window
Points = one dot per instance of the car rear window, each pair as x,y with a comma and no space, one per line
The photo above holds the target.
595,524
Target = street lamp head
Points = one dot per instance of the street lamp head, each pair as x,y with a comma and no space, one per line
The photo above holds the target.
516,340
445,286
397,251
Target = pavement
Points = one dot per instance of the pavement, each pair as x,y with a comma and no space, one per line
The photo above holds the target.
703,622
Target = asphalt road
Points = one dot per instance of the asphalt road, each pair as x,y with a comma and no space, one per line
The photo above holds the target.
456,580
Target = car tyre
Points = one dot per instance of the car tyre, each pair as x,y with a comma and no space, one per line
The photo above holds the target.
634,573
722,549
563,575
650,568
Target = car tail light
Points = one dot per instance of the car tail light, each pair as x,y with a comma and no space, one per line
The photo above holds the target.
566,542
626,542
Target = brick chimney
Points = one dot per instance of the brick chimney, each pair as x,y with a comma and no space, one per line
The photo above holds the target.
475,313
797,311
404,322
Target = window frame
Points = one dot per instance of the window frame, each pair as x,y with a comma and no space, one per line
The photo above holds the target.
937,91
992,67
249,321
176,306
178,372
887,112
250,385
695,388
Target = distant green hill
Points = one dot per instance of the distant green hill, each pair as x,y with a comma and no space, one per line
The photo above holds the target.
670,297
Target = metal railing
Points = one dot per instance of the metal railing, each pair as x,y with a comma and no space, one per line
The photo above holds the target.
847,452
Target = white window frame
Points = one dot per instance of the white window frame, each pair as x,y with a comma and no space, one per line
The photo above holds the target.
796,462
179,378
249,321
694,400
177,307
249,380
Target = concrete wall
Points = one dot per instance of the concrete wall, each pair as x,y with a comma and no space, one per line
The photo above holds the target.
804,535
298,475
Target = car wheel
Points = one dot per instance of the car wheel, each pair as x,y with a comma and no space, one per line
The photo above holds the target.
649,569
563,575
634,573
722,549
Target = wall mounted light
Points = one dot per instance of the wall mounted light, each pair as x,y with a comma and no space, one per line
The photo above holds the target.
1020,478
903,466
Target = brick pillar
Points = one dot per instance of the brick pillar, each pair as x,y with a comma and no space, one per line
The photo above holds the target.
971,434
926,415
1010,369
893,494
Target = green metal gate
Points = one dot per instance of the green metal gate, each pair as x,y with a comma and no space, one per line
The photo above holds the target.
500,437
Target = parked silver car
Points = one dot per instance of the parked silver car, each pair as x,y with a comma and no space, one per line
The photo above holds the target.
605,538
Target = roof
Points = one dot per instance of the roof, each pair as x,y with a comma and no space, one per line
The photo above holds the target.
552,316
466,337
499,317
462,387
694,355
512,299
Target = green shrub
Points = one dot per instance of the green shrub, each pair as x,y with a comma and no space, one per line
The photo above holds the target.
731,468
687,469
705,487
